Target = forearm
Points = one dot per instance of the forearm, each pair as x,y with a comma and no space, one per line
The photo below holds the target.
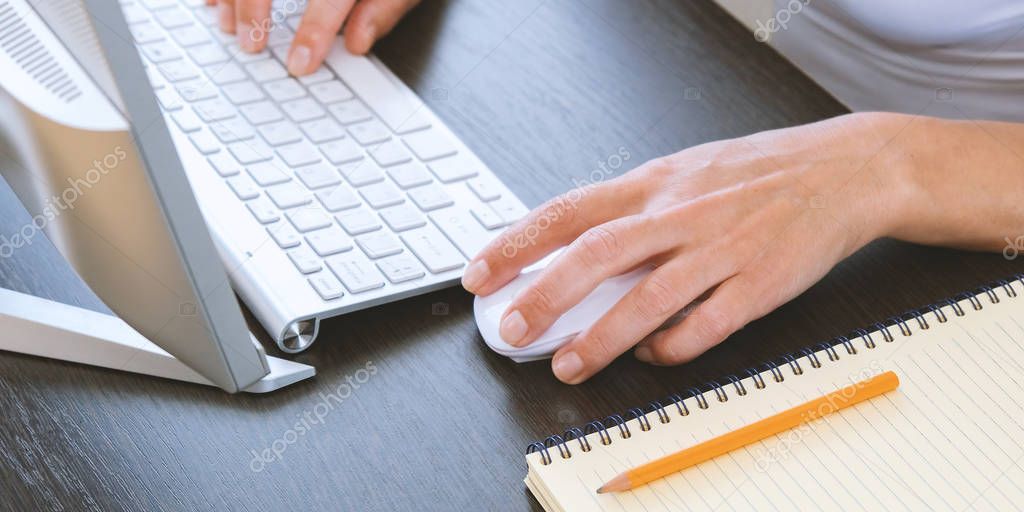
962,182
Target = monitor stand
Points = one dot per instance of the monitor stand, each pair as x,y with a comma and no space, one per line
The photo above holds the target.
46,328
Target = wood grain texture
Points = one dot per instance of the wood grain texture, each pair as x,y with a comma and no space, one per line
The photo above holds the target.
542,90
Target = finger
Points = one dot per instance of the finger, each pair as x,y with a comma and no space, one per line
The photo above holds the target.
599,253
546,228
252,19
211,2
643,309
316,32
734,304
372,20
226,15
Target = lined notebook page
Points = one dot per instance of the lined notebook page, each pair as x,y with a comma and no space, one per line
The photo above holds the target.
951,436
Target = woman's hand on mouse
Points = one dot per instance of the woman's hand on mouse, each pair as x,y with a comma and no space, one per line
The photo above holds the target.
735,229
365,22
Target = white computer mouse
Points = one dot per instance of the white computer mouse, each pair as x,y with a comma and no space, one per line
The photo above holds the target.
489,310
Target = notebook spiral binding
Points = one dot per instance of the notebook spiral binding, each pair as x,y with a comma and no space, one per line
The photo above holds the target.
899,325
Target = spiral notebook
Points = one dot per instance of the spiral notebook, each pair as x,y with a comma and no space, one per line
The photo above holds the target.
951,437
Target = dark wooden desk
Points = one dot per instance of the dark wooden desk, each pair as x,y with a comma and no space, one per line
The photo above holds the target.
543,91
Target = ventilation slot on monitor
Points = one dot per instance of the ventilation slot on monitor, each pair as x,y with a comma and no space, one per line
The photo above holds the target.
25,49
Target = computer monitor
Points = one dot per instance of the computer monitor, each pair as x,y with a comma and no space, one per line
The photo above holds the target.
89,154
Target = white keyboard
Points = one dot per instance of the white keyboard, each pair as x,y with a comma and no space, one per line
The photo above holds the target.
359,195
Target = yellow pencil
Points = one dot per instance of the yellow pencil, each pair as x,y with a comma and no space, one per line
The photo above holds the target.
754,432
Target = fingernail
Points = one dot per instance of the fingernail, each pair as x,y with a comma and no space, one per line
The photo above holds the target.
246,41
513,328
644,354
298,60
567,367
475,275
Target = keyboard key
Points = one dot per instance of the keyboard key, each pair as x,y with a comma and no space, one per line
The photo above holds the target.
488,217
418,120
242,92
380,195
284,90
284,235
433,249
341,151
326,285
330,92
430,144
178,71
267,174
196,90
232,130
338,198
394,106
146,32
160,51
400,268
250,152
213,110
304,109
322,74
369,132
168,99
322,130
318,176
461,229
329,241
173,17
409,175
204,142
266,70
190,35
244,187
288,195
207,15
225,165
207,54
280,133
453,169
430,197
358,221
225,73
187,121
134,13
263,210
349,112
509,209
261,112
308,219
237,53
390,153
361,173
298,154
402,217
485,189
156,5
356,273
379,244
304,260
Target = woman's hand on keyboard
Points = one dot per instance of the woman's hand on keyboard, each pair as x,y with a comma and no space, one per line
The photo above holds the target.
365,22
737,228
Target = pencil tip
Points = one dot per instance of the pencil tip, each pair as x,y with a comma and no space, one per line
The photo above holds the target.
600,490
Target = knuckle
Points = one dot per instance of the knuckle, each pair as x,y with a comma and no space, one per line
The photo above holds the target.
598,347
671,353
597,246
539,300
712,324
656,298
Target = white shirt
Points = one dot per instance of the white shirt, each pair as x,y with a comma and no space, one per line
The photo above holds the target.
945,58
